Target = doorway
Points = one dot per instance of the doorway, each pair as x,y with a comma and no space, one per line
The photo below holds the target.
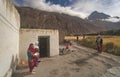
44,46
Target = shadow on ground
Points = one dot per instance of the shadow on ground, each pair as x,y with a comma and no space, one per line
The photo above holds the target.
83,61
21,71
21,67
20,74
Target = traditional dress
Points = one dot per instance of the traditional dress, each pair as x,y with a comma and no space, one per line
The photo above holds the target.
30,54
99,42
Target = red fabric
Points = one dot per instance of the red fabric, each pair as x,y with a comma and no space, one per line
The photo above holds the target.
31,48
35,59
99,47
67,46
31,66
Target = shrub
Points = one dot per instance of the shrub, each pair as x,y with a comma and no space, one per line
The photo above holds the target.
111,48
88,43
108,47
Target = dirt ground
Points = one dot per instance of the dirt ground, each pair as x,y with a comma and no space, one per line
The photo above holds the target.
77,61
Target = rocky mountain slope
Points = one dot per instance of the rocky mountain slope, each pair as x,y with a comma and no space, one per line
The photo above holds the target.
104,20
97,15
67,25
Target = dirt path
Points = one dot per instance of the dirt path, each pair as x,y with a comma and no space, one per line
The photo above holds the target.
78,62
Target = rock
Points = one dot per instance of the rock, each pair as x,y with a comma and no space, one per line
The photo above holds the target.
112,72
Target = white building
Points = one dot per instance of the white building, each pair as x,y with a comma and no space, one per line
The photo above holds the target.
48,41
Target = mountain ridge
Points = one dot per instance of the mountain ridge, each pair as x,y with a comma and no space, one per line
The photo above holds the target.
104,20
67,25
97,15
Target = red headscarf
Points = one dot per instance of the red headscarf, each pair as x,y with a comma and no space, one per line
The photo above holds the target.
31,48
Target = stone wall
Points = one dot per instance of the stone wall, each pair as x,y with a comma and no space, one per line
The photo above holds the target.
9,37
28,36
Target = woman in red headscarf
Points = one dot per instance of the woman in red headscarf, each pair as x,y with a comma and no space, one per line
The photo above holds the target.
30,54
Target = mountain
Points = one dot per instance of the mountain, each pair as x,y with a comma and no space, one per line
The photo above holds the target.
97,15
104,20
107,25
67,25
116,17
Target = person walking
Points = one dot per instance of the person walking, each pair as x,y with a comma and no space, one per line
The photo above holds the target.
99,42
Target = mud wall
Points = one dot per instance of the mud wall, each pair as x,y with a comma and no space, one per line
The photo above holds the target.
9,37
28,36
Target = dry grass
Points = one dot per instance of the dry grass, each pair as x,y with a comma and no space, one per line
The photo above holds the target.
106,39
111,44
113,39
70,38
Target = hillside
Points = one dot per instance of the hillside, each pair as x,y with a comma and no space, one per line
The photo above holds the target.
107,25
67,25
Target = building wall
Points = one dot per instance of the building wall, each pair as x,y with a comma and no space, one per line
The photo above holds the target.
9,37
28,36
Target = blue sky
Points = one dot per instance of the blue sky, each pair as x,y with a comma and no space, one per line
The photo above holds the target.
60,2
18,1
80,8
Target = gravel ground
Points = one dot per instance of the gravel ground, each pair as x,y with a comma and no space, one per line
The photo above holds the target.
77,61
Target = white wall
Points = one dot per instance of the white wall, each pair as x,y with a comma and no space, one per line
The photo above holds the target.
9,37
28,36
